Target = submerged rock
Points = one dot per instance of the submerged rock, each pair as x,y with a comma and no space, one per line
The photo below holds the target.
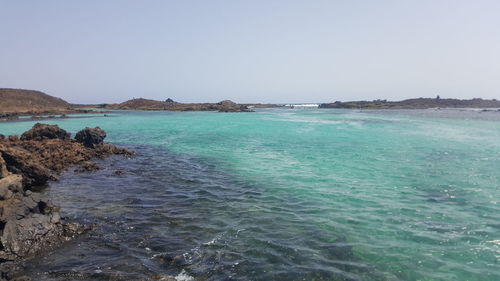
91,137
87,167
43,131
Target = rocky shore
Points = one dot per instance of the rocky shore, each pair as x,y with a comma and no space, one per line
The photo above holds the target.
29,223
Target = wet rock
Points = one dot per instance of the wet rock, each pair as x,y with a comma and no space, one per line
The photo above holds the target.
13,138
2,137
43,131
91,137
29,222
10,270
35,233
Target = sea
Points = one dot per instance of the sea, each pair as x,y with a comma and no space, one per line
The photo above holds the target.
283,194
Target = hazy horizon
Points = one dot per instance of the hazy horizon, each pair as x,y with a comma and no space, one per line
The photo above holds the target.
251,51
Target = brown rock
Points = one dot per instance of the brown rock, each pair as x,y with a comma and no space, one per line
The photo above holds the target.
29,223
91,137
43,131
3,168
9,185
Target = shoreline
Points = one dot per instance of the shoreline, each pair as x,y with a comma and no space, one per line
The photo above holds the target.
31,224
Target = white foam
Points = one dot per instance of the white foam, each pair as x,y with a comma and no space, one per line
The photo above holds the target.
183,276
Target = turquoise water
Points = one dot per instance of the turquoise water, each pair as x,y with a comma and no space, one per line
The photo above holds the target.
304,194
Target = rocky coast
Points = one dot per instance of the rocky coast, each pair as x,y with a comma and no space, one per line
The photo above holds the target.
29,223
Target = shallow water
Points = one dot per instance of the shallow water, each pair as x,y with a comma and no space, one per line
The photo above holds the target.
305,194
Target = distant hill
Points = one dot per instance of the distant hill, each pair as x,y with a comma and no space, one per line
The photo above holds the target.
29,101
147,104
420,103
139,104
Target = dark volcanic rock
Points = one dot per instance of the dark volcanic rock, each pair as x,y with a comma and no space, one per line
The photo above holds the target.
29,223
91,137
43,131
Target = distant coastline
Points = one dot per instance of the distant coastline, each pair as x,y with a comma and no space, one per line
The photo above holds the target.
171,105
419,103
36,105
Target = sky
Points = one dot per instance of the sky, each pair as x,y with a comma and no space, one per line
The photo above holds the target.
251,51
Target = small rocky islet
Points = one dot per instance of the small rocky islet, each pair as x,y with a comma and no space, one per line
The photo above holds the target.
29,223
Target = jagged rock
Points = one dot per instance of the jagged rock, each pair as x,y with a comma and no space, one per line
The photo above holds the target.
29,222
91,137
25,237
22,162
41,161
43,131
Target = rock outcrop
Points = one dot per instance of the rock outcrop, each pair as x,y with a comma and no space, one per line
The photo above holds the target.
91,137
29,222
230,106
43,131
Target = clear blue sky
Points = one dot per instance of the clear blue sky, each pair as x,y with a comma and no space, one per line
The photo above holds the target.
251,51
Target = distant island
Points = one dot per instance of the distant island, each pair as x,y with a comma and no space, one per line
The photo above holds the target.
420,103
